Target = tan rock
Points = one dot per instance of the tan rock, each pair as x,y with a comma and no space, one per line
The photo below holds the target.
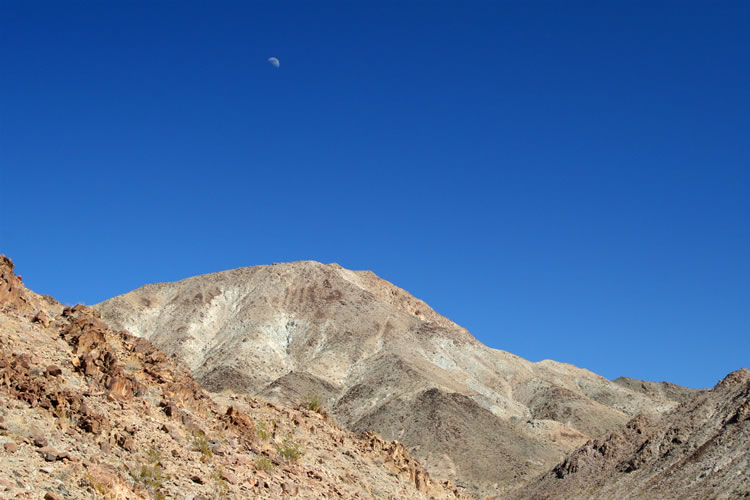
290,489
229,477
38,437
42,317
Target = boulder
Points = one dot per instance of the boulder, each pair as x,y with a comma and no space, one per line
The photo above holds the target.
42,318
51,454
54,371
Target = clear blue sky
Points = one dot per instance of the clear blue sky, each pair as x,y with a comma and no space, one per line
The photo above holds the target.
568,180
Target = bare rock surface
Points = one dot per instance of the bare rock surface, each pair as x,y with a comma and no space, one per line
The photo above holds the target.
701,449
382,360
661,390
91,412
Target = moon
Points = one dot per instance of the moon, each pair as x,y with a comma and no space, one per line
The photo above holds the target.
274,62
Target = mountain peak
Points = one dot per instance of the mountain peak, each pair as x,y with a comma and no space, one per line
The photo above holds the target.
382,360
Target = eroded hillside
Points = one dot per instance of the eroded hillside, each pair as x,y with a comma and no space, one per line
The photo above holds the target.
90,412
701,449
382,360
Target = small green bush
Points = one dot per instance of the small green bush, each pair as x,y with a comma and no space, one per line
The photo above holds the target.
101,490
154,455
312,402
152,477
202,444
264,463
289,450
221,488
261,430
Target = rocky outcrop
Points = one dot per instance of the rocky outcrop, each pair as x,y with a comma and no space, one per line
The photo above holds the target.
15,299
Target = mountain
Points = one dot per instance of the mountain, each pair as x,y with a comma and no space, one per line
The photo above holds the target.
380,359
698,450
90,412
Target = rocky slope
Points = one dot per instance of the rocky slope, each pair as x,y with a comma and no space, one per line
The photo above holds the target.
659,390
381,360
90,412
701,449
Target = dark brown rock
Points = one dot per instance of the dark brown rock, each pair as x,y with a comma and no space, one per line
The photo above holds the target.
170,409
54,370
243,424
24,360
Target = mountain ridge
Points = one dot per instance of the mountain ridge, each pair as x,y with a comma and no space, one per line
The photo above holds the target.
379,357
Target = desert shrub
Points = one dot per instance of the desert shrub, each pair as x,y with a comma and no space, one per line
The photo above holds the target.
312,402
289,450
264,463
221,487
203,444
101,490
151,476
153,455
261,430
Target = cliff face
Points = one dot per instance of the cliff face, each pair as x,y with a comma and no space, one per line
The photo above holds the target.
91,412
381,360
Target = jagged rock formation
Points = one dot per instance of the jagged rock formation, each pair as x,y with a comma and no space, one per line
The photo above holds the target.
90,412
698,450
381,360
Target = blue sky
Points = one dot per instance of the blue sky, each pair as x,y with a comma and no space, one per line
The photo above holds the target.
568,180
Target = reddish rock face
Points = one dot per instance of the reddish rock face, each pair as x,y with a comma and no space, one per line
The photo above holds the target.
242,422
10,293
123,387
15,298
